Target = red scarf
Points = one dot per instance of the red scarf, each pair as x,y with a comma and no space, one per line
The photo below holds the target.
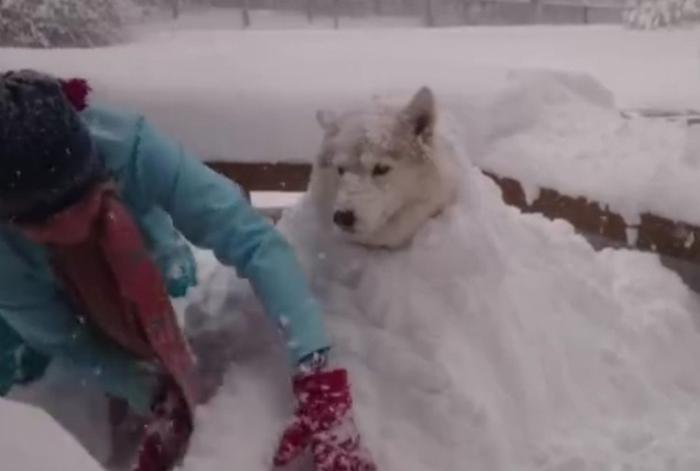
98,253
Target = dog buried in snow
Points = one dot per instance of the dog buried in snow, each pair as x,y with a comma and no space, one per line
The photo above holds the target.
382,173
486,339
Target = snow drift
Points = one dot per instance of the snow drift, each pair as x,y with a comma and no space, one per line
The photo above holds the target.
31,441
497,341
562,131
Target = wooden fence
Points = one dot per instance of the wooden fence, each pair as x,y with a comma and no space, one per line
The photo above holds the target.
432,13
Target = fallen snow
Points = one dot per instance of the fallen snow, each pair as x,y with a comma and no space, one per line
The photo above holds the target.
31,441
497,341
563,132
274,199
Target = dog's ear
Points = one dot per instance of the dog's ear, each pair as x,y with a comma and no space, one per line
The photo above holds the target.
328,121
420,114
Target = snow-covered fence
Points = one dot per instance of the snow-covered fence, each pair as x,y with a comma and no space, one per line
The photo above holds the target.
450,12
653,233
542,11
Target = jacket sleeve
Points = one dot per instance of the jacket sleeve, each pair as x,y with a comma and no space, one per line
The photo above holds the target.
213,214
170,251
39,313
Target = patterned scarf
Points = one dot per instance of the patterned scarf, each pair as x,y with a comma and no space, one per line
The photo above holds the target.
97,251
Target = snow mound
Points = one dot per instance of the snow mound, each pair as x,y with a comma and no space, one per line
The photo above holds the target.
529,95
497,341
562,131
31,441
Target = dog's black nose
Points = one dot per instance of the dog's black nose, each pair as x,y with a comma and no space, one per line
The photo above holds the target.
345,219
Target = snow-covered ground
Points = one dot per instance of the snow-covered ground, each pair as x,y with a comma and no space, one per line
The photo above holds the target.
31,441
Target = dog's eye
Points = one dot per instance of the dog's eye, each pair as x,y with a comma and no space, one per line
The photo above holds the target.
341,171
380,170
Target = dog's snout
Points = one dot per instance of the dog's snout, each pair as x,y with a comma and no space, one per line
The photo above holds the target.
345,219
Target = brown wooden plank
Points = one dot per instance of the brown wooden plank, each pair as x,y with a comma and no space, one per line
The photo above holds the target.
654,233
587,216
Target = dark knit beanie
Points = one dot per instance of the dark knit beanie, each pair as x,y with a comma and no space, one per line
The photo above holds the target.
47,156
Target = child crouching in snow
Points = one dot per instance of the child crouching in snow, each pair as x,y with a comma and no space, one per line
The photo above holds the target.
87,265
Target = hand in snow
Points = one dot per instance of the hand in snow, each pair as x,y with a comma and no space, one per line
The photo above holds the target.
168,433
179,268
324,424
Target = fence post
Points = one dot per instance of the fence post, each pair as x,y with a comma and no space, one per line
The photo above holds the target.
429,14
485,12
310,10
245,12
538,8
175,5
468,12
336,15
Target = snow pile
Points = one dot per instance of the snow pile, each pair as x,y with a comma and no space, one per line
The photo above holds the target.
563,132
31,441
497,341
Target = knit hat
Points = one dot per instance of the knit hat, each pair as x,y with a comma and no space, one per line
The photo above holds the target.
47,156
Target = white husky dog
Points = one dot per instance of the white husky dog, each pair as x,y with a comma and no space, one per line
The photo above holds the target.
382,173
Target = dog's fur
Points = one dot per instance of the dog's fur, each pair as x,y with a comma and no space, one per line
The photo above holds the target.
383,172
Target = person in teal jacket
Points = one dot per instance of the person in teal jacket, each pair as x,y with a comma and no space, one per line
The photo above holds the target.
57,157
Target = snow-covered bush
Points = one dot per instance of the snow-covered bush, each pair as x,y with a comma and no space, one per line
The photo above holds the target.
652,14
58,23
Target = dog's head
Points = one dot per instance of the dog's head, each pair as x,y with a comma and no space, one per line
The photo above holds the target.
375,163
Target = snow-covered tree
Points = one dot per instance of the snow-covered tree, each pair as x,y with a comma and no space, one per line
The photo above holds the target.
58,23
652,14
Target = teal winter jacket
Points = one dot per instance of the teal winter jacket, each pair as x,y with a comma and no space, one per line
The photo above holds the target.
162,187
